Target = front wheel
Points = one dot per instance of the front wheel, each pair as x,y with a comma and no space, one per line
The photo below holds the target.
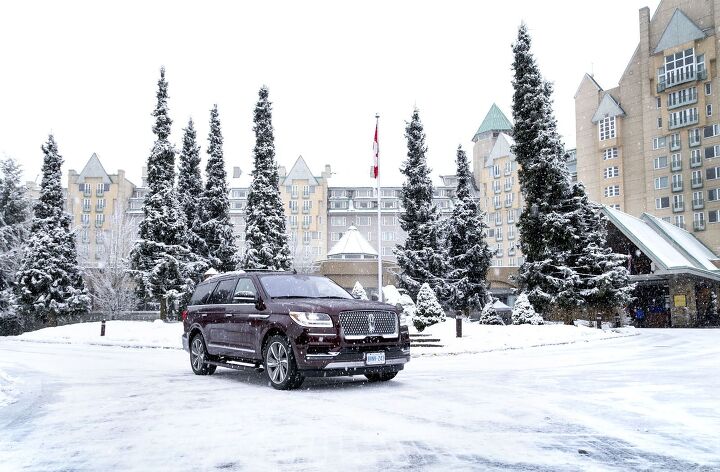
381,377
280,366
198,356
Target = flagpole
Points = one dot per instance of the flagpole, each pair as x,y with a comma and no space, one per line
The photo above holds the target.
379,216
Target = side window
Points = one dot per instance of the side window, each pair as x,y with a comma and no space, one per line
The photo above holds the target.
223,292
201,294
246,285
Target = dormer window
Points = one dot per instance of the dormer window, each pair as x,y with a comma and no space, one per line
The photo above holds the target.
607,128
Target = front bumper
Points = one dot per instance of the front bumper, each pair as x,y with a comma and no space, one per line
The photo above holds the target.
185,343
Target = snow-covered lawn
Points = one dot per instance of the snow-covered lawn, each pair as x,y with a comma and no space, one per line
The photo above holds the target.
8,392
476,337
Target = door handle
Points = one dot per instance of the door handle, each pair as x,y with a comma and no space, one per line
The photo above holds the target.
262,317
228,315
203,315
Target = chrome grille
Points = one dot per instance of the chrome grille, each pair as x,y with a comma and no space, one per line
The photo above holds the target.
361,324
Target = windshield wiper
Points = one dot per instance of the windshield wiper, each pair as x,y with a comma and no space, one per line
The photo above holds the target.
334,297
291,296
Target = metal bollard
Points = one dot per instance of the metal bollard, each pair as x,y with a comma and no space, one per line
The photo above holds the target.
598,320
458,326
102,328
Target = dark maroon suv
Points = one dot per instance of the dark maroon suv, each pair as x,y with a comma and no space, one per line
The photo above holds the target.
291,326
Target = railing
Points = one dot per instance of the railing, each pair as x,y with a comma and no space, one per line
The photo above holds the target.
677,187
699,225
680,76
692,120
678,207
695,161
676,165
675,145
698,203
696,182
99,208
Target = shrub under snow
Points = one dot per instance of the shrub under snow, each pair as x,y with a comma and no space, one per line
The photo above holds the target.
359,292
524,313
428,311
489,316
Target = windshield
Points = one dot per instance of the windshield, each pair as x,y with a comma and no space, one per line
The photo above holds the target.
302,286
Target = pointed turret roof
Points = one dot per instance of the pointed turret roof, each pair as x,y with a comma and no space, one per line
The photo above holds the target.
680,30
502,148
352,245
94,168
495,120
300,171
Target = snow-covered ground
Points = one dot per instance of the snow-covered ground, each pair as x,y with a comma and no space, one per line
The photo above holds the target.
476,338
8,392
647,402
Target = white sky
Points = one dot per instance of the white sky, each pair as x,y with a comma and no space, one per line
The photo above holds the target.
87,71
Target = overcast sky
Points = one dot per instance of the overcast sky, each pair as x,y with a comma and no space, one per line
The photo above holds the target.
87,72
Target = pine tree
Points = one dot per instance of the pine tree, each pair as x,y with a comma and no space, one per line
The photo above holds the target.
713,314
190,187
359,292
14,216
265,236
468,255
428,311
161,260
524,313
420,258
49,283
547,235
489,316
216,229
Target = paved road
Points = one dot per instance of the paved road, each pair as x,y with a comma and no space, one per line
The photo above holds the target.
648,402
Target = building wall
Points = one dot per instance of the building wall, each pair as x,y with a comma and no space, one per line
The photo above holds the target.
640,161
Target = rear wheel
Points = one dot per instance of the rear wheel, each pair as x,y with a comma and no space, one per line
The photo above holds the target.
198,356
381,377
280,366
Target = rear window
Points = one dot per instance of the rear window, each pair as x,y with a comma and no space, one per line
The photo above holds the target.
201,294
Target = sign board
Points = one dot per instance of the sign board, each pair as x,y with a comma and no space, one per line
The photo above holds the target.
679,300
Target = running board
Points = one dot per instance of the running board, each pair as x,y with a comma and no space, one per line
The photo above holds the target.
237,365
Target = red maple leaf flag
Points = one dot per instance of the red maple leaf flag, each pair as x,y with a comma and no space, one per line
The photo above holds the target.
376,153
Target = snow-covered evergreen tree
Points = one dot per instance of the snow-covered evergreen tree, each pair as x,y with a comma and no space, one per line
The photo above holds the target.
49,283
490,316
420,258
713,313
547,235
266,240
216,229
359,292
468,255
190,188
14,219
427,309
524,313
161,260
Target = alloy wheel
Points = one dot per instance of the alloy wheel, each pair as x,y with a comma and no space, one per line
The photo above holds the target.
277,362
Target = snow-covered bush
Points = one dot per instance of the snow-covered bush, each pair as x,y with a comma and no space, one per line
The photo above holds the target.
489,316
393,296
359,292
524,313
428,311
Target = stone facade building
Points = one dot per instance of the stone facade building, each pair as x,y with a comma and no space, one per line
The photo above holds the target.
652,144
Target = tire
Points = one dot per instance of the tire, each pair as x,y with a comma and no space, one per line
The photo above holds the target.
280,366
198,354
381,377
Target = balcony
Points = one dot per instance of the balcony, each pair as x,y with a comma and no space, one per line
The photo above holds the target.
698,204
696,182
100,192
680,99
676,166
677,187
99,208
680,225
679,76
87,193
678,207
699,225
675,124
508,203
695,160
508,187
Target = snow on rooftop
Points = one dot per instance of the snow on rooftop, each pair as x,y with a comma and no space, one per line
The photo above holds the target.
352,243
687,242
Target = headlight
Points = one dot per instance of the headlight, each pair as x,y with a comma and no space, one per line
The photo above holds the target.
404,319
312,320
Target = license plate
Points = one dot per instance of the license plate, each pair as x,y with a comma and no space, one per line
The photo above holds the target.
375,358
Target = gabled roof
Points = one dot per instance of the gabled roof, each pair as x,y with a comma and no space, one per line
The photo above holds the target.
670,248
354,245
502,148
300,171
680,30
608,107
592,80
94,168
495,120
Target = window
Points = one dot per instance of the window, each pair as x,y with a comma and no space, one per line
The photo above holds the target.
496,186
99,219
306,191
697,200
100,206
388,236
713,216
387,192
85,188
676,161
293,206
498,218
708,109
661,182
699,221
682,97
498,234
678,202
496,171
511,232
659,142
615,206
508,183
694,137
612,172
511,216
245,285
708,88
509,198
201,294
496,201
712,151
696,179
683,117
335,236
307,205
660,162
659,122
612,191
363,221
389,220
675,141
307,220
317,235
293,221
658,102
662,202
100,189
610,153
508,168
677,182
712,173
238,193
86,204
680,221
695,158
223,292
680,67
711,130
85,219
337,221
338,194
306,238
607,128
294,191
713,195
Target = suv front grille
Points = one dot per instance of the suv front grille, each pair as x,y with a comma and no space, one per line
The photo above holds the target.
361,324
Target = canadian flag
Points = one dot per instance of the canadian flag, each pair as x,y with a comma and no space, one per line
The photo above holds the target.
376,153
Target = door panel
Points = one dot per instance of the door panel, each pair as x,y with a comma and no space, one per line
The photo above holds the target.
241,335
214,313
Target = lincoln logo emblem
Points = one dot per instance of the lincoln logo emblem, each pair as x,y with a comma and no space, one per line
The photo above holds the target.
371,323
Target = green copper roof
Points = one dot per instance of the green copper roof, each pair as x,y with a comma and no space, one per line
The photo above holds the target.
495,120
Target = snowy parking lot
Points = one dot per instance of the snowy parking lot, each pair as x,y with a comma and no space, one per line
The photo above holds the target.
646,402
